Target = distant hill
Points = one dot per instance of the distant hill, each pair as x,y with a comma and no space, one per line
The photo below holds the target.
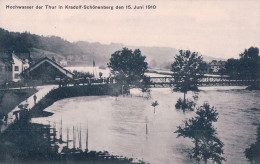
81,52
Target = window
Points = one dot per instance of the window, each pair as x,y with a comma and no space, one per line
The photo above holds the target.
16,68
16,76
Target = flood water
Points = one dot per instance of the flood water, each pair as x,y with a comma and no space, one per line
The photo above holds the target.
118,125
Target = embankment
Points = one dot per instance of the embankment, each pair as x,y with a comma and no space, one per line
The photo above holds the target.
75,91
11,98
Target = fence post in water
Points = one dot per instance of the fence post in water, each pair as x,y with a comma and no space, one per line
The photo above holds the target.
68,137
61,130
73,138
54,133
87,139
146,127
80,137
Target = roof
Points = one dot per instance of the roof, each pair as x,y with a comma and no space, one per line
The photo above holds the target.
13,55
217,63
6,58
55,64
23,56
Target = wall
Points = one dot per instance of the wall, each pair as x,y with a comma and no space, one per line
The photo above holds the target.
67,92
17,62
5,74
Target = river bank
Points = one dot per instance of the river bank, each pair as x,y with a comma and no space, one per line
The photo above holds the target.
73,91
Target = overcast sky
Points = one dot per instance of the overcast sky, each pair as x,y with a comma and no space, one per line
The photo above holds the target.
218,28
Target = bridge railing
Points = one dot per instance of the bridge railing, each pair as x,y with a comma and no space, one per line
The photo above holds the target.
206,80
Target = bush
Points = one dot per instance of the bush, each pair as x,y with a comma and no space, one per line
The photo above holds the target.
187,105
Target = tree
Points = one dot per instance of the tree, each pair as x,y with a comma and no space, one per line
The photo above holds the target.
232,68
188,69
100,75
82,74
128,67
202,132
188,105
247,67
253,152
154,104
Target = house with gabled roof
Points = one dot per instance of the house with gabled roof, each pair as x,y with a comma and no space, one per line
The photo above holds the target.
217,65
47,70
11,67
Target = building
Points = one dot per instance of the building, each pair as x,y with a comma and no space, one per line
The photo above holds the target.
215,65
18,66
5,71
46,70
12,67
64,62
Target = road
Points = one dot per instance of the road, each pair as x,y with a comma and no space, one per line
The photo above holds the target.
42,91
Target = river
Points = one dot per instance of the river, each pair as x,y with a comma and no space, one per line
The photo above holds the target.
118,125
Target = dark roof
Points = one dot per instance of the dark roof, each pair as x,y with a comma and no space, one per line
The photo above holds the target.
23,56
6,58
46,58
217,63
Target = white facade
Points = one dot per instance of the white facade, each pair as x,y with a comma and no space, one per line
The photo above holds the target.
217,65
18,67
63,62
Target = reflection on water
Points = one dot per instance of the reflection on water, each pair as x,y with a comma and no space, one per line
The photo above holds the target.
119,125
33,143
207,146
253,152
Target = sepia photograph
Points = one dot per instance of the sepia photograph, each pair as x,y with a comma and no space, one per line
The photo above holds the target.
129,81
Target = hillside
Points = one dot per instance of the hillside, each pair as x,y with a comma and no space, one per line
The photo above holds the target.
81,52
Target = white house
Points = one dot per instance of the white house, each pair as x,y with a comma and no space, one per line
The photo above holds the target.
63,62
11,66
217,65
17,68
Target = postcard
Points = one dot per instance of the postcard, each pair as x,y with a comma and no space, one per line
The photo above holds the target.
129,81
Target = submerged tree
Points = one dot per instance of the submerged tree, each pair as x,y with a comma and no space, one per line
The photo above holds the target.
188,105
203,134
188,69
253,152
128,67
145,87
100,75
154,104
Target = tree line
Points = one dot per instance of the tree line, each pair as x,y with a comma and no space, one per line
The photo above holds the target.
129,68
246,67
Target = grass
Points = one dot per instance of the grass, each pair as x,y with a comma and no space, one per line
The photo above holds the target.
9,99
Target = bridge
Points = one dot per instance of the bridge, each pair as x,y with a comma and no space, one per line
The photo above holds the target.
168,81
159,82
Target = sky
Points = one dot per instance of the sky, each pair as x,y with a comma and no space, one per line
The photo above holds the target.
217,28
